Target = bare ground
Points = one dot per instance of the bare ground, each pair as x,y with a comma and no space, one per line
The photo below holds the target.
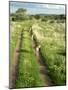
13,67
42,68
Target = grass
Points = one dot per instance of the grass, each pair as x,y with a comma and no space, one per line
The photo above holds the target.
51,37
15,29
28,72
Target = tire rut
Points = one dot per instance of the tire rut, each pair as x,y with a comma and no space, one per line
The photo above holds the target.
42,68
13,67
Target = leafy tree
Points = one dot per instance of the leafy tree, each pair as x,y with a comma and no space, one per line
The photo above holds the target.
20,14
37,16
21,11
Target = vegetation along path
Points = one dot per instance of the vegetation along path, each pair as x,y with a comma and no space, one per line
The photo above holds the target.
42,68
13,69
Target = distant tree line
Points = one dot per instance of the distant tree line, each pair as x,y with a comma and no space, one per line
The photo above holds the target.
21,14
59,18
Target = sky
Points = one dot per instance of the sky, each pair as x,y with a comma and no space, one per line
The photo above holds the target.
37,8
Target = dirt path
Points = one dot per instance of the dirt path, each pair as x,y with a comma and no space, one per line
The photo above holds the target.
42,68
13,67
43,71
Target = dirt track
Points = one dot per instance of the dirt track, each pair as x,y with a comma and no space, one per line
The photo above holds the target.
42,68
13,67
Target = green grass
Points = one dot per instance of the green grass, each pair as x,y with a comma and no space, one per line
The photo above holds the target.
51,37
28,72
15,30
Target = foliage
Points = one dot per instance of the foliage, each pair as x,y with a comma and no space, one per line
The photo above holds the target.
51,38
49,32
19,15
28,72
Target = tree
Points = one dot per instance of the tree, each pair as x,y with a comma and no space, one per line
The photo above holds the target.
37,16
21,11
20,14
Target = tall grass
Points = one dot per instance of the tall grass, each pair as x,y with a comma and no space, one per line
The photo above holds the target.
28,72
15,30
51,37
